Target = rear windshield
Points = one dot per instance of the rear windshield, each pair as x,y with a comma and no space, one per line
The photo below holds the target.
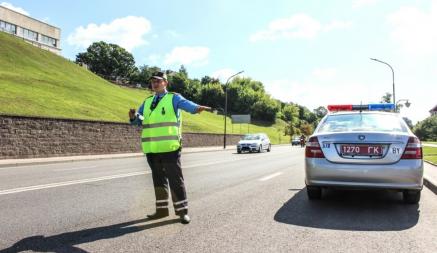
362,122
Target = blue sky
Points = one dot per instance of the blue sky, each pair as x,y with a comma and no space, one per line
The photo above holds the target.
309,52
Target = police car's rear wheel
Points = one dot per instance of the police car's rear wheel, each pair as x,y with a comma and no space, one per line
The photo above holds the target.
239,151
314,192
411,197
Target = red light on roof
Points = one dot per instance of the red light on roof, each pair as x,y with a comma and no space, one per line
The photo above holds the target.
340,107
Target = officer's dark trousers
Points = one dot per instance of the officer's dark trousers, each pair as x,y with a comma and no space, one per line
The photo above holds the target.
166,169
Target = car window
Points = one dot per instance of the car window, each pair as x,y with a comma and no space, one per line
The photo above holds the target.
362,122
250,137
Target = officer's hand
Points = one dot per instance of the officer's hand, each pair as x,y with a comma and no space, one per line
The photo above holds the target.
132,114
203,108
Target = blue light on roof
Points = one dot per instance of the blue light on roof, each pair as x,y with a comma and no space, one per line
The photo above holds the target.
375,107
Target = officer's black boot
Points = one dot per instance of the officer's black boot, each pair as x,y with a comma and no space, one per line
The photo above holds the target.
185,219
160,213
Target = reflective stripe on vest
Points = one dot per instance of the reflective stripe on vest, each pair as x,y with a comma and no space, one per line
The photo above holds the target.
161,127
160,138
162,124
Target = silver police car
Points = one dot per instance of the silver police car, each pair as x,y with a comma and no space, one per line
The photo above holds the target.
364,149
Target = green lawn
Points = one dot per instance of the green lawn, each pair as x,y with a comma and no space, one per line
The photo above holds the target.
213,123
430,154
34,82
430,142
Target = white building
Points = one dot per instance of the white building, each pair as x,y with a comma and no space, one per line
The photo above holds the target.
33,31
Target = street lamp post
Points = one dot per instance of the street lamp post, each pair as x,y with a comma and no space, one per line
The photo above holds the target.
226,106
407,103
393,75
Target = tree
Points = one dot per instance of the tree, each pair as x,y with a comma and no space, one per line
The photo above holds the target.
291,113
183,71
144,74
427,129
307,115
386,98
108,60
292,130
207,79
265,109
212,94
193,90
178,83
320,112
306,128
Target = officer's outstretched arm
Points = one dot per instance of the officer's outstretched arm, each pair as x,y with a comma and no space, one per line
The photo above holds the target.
202,108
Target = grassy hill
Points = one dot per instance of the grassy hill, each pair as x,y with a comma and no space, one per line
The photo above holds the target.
34,82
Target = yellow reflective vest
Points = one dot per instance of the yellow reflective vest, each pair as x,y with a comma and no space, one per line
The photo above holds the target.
161,127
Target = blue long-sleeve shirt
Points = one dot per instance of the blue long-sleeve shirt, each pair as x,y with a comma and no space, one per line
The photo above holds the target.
179,102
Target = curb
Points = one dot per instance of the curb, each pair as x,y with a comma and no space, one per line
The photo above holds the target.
430,162
50,160
53,160
430,185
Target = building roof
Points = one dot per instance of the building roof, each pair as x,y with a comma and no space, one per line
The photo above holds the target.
434,109
29,17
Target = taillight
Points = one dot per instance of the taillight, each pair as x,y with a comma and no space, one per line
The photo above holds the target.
312,149
413,149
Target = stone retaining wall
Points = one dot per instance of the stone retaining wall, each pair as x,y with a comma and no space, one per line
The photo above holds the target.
31,137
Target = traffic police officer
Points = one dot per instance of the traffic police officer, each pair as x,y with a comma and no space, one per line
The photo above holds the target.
161,142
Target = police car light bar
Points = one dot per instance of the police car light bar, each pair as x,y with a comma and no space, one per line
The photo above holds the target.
370,107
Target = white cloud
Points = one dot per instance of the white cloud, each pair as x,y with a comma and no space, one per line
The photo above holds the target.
315,94
299,26
187,55
324,73
172,34
127,32
153,59
414,30
362,3
337,25
224,74
14,8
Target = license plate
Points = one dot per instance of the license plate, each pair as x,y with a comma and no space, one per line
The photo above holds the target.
361,149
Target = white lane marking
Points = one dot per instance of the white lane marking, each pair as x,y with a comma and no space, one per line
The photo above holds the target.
81,181
77,168
231,160
215,162
270,176
45,186
20,166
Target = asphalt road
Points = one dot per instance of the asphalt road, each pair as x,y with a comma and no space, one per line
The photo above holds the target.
238,203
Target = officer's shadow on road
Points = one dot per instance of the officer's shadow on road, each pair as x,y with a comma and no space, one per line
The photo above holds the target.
65,242
350,210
